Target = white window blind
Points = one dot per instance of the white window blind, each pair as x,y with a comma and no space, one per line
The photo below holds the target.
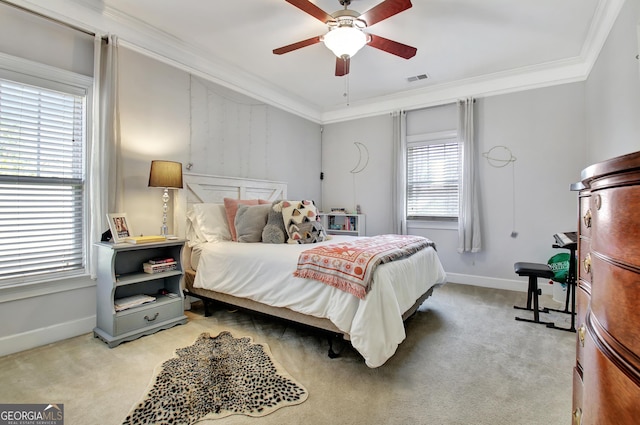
41,182
433,179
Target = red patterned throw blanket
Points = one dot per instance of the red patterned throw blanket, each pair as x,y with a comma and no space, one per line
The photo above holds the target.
349,266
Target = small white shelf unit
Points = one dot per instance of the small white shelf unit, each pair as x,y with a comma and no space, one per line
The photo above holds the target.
120,275
343,224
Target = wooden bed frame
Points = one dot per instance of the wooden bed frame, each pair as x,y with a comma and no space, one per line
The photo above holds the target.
201,188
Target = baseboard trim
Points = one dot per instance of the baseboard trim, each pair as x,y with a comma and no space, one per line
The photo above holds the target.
47,335
497,283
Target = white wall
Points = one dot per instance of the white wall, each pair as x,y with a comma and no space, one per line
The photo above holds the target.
372,187
543,128
156,123
613,91
166,115
31,37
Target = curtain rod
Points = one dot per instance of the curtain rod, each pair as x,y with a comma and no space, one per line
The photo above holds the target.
435,106
49,18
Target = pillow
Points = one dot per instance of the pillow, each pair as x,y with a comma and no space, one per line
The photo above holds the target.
231,208
209,222
193,238
274,231
249,222
295,213
309,232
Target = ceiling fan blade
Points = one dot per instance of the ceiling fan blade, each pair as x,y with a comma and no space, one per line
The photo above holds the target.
393,47
342,66
311,9
384,10
296,46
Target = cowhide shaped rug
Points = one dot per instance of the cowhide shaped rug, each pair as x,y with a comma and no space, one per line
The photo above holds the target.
214,378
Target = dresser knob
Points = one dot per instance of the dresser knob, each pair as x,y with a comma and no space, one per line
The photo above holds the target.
582,333
598,201
577,416
587,218
587,263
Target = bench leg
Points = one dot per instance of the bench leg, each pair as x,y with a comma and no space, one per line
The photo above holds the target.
532,295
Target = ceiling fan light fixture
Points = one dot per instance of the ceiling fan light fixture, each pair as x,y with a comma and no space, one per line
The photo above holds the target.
345,40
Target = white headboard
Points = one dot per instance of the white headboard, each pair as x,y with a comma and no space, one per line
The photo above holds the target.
199,188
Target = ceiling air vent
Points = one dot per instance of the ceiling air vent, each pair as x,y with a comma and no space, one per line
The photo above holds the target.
417,78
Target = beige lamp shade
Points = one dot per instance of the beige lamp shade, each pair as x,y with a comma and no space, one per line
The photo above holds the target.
165,174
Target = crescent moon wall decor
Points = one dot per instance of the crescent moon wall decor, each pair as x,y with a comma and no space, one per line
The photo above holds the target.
363,158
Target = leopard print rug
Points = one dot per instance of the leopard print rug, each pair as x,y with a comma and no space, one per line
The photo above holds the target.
214,378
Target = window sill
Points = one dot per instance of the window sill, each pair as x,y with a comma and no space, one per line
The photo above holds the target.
432,224
37,289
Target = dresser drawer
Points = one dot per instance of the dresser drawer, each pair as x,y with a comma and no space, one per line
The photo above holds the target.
614,303
582,305
585,216
578,390
615,218
141,317
584,260
610,396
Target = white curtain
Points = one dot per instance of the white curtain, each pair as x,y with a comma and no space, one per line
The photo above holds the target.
469,238
399,171
104,168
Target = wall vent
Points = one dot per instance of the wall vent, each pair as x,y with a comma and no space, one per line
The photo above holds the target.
417,78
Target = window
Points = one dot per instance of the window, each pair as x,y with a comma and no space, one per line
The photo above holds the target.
42,185
433,176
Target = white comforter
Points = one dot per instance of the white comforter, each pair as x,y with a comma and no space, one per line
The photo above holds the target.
264,273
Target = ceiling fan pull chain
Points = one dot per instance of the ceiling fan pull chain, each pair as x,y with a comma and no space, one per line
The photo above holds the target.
346,89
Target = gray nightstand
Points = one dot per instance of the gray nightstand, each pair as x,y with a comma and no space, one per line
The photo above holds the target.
120,275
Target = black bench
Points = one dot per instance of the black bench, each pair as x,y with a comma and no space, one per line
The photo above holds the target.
533,271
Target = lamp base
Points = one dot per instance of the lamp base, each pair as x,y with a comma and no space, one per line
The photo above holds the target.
164,229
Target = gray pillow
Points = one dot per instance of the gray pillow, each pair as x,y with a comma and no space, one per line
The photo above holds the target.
249,222
274,231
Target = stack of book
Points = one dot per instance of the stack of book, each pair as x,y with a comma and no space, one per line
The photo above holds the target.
158,265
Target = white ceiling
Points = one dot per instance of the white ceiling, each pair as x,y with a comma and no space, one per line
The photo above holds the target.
466,47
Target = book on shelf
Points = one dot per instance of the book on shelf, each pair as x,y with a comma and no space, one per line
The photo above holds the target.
125,303
161,260
144,239
158,268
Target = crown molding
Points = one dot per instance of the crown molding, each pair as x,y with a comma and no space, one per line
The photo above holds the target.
532,77
526,78
139,36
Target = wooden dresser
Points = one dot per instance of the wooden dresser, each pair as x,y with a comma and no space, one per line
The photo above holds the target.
606,383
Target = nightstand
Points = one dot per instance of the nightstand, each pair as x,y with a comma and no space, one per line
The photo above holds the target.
121,276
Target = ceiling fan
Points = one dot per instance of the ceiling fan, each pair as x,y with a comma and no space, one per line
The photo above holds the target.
346,36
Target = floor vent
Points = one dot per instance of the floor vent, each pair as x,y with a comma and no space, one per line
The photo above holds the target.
417,78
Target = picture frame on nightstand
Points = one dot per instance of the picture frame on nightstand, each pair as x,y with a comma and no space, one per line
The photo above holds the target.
119,226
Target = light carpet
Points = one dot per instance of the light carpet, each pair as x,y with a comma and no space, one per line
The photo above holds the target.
465,361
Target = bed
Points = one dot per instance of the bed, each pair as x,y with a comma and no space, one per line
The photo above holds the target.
259,276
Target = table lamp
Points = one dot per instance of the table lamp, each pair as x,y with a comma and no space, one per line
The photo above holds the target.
168,175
